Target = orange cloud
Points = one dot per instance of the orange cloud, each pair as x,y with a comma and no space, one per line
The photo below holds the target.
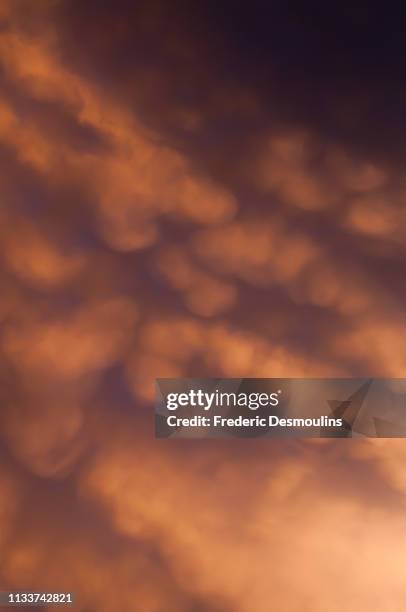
130,253
32,257
89,340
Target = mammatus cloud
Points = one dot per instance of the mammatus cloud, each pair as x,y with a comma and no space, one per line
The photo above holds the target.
130,251
277,545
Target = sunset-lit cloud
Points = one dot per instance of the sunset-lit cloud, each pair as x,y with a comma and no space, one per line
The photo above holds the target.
163,215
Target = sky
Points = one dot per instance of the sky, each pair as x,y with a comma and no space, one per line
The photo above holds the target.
212,190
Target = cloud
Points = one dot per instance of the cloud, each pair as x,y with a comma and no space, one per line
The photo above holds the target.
164,213
33,258
275,545
88,340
